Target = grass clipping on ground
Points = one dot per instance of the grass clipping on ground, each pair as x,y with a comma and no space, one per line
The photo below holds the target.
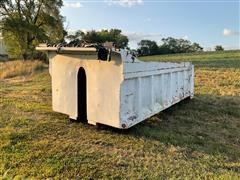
19,68
196,139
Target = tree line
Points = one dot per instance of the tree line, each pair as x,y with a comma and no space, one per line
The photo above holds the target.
112,35
169,45
26,23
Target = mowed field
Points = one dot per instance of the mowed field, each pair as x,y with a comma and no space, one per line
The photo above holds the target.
195,139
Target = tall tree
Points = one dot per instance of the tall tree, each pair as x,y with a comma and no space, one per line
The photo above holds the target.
25,23
219,48
195,47
112,35
147,47
91,37
171,45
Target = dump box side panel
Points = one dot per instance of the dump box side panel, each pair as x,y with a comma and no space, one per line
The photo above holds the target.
103,87
145,93
64,86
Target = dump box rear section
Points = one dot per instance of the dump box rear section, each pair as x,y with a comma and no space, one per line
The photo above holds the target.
86,88
149,88
120,92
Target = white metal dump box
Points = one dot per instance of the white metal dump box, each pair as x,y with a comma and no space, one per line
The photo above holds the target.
120,92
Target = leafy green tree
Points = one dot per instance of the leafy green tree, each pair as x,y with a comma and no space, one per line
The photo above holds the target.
195,47
147,47
91,37
171,45
25,23
112,35
219,48
78,35
116,36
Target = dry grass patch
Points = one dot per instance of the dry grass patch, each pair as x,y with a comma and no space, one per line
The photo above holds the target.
220,82
196,139
11,69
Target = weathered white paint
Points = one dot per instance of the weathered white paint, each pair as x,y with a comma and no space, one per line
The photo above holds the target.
120,93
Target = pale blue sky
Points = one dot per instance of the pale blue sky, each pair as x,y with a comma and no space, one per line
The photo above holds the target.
209,23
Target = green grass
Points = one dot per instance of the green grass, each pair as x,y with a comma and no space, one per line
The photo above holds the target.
196,139
222,59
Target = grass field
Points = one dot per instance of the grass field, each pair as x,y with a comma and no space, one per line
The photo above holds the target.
222,59
20,68
196,139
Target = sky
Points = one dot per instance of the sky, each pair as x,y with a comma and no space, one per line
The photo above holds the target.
207,22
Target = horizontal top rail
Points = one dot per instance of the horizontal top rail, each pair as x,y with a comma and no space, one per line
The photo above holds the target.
62,49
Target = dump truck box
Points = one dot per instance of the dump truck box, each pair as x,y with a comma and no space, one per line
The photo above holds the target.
120,91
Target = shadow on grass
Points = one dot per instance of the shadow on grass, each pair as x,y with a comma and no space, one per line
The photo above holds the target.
205,123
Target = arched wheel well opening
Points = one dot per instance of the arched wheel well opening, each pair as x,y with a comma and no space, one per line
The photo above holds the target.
82,94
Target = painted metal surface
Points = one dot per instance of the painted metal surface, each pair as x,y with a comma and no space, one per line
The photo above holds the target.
149,88
120,93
